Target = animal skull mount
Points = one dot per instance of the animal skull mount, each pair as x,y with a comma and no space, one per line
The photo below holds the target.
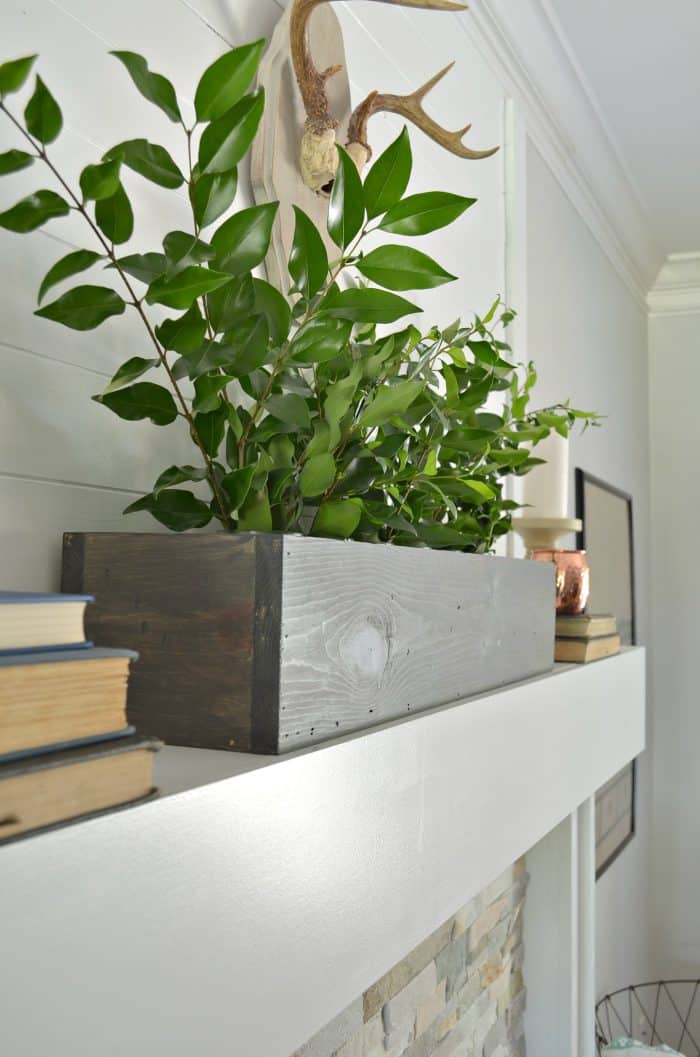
318,156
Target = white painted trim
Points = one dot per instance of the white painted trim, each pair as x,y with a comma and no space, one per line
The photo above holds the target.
272,898
529,54
585,905
676,291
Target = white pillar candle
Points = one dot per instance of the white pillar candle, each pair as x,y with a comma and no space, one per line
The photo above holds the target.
546,487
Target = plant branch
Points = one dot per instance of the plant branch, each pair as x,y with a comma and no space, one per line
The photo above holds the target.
79,205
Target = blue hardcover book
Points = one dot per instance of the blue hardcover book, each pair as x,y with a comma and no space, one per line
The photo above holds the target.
38,657
62,746
54,696
32,621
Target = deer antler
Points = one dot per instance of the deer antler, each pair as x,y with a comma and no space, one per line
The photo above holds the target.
319,158
410,107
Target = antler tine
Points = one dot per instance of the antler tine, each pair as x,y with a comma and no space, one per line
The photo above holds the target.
318,156
429,5
408,106
311,81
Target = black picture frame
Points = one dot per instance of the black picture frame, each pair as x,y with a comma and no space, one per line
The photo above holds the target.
620,793
584,481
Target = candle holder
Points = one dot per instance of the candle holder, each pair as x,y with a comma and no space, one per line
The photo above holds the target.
544,533
572,578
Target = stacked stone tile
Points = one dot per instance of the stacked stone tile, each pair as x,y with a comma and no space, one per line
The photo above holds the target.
460,993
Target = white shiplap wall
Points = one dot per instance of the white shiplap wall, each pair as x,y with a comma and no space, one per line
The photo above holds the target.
65,462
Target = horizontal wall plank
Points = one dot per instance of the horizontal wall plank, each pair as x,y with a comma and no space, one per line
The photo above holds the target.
240,22
35,514
50,427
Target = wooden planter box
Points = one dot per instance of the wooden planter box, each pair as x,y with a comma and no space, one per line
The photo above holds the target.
266,643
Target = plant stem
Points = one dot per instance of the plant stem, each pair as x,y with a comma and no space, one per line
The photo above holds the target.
136,303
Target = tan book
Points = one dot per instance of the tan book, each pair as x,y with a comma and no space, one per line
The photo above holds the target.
581,651
586,626
31,621
55,787
53,697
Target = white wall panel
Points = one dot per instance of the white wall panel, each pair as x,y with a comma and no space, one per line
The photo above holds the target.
587,336
34,514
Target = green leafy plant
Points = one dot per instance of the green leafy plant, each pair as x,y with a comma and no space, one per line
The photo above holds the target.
306,413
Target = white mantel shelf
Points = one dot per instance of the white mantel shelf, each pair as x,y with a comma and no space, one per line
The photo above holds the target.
239,913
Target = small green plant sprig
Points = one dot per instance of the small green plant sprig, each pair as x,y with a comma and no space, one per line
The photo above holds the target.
303,415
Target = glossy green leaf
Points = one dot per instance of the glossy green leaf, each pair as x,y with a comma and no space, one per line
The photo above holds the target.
255,514
403,268
14,160
13,74
184,334
249,346
149,160
224,82
367,306
289,407
69,265
42,114
467,439
390,400
100,181
142,400
317,475
207,390
225,141
308,260
322,338
183,288
243,240
346,208
270,303
212,195
143,266
115,217
437,535
83,307
183,249
388,178
33,211
129,372
232,305
337,518
419,214
211,356
236,485
152,86
175,508
179,475
211,426
339,397
481,488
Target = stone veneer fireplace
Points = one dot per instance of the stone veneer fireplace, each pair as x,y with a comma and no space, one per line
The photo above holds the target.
459,993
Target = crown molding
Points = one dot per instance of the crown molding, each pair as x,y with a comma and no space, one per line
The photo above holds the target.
676,291
529,52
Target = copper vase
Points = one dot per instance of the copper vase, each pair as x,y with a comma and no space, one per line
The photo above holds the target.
572,578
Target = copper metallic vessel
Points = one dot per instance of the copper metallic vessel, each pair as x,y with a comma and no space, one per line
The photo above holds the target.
572,578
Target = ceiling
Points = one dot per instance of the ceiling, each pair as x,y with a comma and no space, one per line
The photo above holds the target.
641,62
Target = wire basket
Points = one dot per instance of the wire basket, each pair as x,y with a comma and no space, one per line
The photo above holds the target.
663,1012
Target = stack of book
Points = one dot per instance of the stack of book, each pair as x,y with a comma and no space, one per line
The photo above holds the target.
588,637
66,749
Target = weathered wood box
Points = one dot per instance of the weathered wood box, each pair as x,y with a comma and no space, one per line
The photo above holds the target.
265,643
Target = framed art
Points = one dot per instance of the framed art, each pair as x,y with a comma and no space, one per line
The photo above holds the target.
615,817
608,538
